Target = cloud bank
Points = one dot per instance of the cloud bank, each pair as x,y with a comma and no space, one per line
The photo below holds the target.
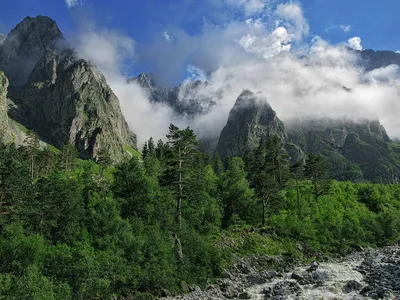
303,76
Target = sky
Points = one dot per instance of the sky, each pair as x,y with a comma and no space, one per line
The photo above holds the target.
375,22
297,53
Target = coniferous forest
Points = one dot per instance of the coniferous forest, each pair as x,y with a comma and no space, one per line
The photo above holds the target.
171,217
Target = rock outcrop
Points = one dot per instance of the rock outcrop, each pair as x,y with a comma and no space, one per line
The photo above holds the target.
62,98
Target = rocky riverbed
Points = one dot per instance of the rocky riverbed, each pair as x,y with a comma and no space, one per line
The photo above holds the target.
370,274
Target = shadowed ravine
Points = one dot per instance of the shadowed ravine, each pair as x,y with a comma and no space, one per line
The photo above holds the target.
371,274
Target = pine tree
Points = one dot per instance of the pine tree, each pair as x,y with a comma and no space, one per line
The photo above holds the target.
316,170
237,197
268,167
297,171
151,146
32,147
145,151
68,153
103,159
217,164
182,146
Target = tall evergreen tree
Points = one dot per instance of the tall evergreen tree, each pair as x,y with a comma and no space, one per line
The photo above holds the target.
268,167
68,153
237,197
316,170
182,146
297,171
32,148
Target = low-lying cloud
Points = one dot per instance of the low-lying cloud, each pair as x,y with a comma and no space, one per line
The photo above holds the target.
302,76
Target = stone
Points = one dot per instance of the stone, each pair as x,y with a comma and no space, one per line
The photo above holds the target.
297,276
244,295
351,286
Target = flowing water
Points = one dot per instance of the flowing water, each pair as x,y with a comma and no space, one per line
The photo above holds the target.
371,274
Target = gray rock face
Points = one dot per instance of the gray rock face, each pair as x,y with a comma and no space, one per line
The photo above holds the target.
3,105
61,97
250,120
25,45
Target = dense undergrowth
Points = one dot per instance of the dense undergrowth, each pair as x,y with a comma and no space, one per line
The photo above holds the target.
72,229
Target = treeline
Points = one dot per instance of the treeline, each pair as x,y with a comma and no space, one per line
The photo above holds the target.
73,229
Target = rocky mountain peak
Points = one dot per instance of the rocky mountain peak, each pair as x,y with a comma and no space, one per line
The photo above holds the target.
250,120
26,44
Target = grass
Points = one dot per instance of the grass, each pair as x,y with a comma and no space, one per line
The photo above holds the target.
133,152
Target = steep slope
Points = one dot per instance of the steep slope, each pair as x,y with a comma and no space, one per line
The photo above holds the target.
355,150
250,120
10,130
63,98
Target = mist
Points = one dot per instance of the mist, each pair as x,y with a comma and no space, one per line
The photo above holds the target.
301,75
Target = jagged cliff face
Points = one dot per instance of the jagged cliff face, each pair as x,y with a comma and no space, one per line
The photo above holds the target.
250,120
63,98
3,105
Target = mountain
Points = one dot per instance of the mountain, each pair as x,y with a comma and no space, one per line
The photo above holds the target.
356,150
188,98
59,96
250,120
378,59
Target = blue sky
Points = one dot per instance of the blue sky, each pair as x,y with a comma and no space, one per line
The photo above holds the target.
375,22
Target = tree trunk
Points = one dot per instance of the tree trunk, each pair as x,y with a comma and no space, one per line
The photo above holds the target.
180,187
263,212
298,198
316,192
178,247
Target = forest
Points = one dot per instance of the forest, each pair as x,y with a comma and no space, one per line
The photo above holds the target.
172,217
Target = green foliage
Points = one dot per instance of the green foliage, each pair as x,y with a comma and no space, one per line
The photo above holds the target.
73,229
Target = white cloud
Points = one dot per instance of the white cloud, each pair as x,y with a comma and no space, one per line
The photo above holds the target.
384,74
108,49
296,24
267,46
398,51
345,28
355,43
72,3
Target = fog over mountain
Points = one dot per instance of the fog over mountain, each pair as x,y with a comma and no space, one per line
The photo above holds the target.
302,76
